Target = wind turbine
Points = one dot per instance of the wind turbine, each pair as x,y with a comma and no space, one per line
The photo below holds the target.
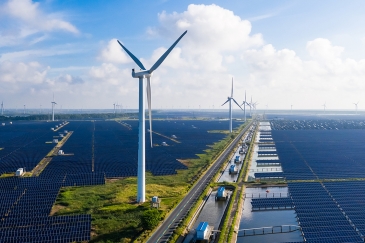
143,73
229,99
324,108
356,106
53,104
251,107
2,107
244,105
114,108
24,110
254,106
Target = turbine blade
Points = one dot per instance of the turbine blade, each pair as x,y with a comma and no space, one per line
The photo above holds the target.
232,89
237,103
162,58
135,59
149,106
225,102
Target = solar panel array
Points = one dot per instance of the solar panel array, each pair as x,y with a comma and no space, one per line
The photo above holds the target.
115,147
23,145
308,154
268,175
271,203
100,149
316,124
24,213
350,197
319,215
325,149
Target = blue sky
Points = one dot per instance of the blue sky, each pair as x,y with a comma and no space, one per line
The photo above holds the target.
305,52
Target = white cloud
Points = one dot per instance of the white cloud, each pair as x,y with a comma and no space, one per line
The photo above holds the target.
323,49
47,52
219,45
212,32
25,19
16,73
109,74
209,27
326,76
114,53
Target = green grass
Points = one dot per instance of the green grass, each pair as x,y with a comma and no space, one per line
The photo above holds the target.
115,215
219,131
10,174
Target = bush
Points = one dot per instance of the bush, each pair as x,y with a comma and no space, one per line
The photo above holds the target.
150,219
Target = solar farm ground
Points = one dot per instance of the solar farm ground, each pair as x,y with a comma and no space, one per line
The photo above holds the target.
323,162
102,153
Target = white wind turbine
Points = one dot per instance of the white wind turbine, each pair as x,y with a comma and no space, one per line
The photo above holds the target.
141,142
356,106
254,107
229,99
244,105
2,107
114,108
251,107
53,105
324,108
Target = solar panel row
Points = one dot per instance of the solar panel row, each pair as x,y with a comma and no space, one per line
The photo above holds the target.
319,216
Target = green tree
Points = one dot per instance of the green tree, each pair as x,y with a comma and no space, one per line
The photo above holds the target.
150,219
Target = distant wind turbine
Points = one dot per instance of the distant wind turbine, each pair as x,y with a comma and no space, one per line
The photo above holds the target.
2,107
24,110
53,105
144,73
251,106
229,99
324,108
356,106
244,103
254,107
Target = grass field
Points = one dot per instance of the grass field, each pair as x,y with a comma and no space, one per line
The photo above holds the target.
115,215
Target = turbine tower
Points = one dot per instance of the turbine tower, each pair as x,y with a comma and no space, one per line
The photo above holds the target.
254,107
251,107
24,110
143,73
356,106
53,104
2,107
229,99
114,108
244,103
324,108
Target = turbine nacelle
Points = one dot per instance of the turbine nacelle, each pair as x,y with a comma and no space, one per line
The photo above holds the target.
141,74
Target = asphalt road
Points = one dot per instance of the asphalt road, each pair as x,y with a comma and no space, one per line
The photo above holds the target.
167,228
